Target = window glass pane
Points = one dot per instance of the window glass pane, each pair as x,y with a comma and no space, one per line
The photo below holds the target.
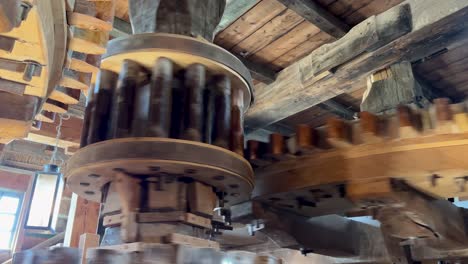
43,197
7,222
8,204
5,240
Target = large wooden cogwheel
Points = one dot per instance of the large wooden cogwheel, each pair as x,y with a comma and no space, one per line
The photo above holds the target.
349,165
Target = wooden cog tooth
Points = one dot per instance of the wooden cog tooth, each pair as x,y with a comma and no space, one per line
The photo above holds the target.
255,150
339,133
161,99
72,83
443,116
46,116
88,22
99,115
89,42
66,95
81,66
193,119
55,106
222,115
277,148
370,128
410,123
305,139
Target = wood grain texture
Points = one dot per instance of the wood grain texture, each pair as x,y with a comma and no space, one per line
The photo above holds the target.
272,30
435,25
83,218
302,32
254,19
317,15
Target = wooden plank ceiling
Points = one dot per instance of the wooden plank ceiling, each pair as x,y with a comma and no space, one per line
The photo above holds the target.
273,36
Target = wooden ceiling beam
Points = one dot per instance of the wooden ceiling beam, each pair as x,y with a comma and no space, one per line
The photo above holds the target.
318,16
435,25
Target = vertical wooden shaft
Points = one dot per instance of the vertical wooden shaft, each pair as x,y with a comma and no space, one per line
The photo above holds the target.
194,85
100,112
237,122
140,120
182,17
87,119
161,99
222,116
122,104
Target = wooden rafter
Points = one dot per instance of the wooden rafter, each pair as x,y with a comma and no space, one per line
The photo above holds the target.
435,24
318,16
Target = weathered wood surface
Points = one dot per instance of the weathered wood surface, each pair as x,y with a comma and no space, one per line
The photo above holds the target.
233,11
176,16
9,10
399,88
371,33
436,25
83,218
318,16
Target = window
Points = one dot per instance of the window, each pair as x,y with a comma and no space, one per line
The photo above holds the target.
10,204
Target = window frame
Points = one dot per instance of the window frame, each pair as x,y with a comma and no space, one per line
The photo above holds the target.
20,196
58,185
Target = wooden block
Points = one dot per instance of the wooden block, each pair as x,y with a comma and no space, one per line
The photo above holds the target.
87,240
89,42
180,239
201,198
72,83
166,195
84,21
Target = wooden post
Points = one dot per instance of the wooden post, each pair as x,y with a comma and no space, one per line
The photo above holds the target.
183,17
83,218
87,240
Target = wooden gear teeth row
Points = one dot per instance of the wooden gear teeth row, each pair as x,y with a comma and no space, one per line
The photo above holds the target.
442,118
168,103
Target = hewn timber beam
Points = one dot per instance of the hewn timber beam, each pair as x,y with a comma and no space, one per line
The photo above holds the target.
435,25
318,16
